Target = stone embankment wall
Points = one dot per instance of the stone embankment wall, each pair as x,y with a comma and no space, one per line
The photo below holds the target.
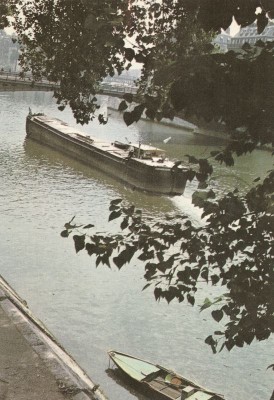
113,103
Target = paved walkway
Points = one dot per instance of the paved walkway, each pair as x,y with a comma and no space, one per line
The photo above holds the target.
33,366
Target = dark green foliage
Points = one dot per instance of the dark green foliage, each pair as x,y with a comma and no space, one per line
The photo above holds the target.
236,89
217,315
79,43
79,242
124,256
122,106
74,43
5,11
128,97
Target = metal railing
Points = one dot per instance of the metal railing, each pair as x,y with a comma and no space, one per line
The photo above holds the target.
119,89
111,86
28,78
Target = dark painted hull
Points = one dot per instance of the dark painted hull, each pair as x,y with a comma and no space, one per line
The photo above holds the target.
155,178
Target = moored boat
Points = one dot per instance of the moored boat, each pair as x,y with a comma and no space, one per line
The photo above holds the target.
166,383
141,166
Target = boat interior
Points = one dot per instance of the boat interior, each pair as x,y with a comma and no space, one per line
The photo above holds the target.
175,387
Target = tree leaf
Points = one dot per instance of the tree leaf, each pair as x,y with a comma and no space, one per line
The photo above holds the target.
124,223
214,279
217,315
88,226
65,233
128,118
146,286
116,201
122,106
79,242
190,299
140,57
262,22
207,304
128,97
124,256
129,54
114,215
211,342
157,293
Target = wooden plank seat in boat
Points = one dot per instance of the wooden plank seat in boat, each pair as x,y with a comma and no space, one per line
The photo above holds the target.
170,391
163,387
157,384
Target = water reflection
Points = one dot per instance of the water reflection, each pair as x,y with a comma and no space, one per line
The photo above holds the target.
39,157
135,389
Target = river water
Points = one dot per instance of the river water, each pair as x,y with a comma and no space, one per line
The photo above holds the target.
91,310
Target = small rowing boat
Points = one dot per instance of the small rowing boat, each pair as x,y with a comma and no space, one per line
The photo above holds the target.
141,166
160,380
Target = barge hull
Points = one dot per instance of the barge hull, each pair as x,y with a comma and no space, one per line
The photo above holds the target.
155,179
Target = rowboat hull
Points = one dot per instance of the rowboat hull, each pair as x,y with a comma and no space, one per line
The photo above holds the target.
166,383
145,175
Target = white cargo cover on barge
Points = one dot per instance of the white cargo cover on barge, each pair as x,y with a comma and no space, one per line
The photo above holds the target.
141,166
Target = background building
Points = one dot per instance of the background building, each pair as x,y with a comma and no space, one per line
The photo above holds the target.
250,35
222,41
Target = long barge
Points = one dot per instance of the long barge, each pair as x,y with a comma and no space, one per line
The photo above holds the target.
141,166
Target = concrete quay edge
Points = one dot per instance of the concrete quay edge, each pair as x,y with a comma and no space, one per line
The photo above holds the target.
71,379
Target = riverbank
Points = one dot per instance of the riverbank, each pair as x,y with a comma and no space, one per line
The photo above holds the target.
33,365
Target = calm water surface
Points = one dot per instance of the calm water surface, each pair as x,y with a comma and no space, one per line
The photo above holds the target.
91,310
